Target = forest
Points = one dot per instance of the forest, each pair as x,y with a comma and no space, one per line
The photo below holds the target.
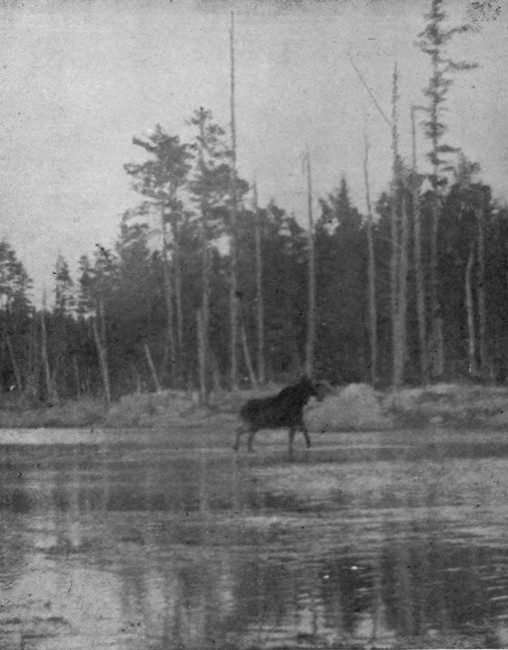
206,289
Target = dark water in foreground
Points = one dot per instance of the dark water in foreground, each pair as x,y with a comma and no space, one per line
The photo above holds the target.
139,542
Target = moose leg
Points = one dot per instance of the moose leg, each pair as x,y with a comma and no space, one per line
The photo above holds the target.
292,432
250,439
306,434
239,432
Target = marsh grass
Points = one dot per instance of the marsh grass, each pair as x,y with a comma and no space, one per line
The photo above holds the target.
356,407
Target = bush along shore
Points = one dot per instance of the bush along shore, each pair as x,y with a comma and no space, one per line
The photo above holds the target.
355,407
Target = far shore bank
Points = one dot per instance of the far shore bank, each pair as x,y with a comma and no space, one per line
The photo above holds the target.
355,407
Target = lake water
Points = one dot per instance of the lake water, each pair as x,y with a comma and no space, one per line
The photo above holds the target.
151,541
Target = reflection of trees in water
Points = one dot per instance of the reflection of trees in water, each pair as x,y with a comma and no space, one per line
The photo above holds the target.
17,503
346,589
441,586
263,591
187,576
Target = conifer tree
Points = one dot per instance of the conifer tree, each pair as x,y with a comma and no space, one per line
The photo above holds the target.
433,41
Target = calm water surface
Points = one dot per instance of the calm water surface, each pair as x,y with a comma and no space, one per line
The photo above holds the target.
146,541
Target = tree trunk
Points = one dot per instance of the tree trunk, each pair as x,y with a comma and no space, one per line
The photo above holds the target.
233,293
33,369
248,360
44,355
15,367
259,292
205,272
482,310
371,275
395,235
100,343
311,313
178,299
153,372
401,329
76,377
203,393
168,295
437,321
420,281
215,373
471,335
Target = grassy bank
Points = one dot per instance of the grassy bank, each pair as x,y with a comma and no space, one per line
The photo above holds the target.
356,407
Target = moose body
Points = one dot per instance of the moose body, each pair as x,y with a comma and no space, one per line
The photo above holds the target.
281,411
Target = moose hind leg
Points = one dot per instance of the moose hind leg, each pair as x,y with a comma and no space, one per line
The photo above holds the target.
306,435
239,432
250,439
291,434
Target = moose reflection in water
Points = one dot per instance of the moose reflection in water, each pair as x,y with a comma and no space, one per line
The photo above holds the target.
281,411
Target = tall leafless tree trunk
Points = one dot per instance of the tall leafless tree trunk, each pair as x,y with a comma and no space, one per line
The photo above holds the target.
259,292
44,353
77,379
178,299
247,357
371,274
153,372
437,340
482,309
99,333
471,334
203,392
15,366
401,328
311,313
233,291
32,369
420,279
168,295
204,316
395,229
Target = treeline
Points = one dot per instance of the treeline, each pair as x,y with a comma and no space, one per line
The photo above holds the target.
109,331
205,288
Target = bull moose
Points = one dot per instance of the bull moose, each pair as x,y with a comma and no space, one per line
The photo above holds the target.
281,411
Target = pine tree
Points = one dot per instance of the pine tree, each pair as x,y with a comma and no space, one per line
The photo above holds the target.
160,179
433,41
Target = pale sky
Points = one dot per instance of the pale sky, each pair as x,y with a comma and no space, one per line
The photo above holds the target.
80,78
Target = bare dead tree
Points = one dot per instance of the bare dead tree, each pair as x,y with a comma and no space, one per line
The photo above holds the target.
398,353
203,393
401,335
99,333
471,334
168,295
482,307
44,353
247,357
420,278
15,365
151,366
233,290
260,318
371,273
311,313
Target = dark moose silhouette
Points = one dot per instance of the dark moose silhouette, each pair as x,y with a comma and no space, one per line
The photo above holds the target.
281,411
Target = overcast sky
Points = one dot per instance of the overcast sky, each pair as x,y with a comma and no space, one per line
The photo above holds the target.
78,79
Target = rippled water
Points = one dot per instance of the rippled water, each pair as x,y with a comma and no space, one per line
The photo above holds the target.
154,541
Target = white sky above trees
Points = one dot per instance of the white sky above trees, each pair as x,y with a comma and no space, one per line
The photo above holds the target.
80,78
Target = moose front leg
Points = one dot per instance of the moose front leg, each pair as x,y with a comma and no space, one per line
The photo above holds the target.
239,432
306,435
250,439
292,432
